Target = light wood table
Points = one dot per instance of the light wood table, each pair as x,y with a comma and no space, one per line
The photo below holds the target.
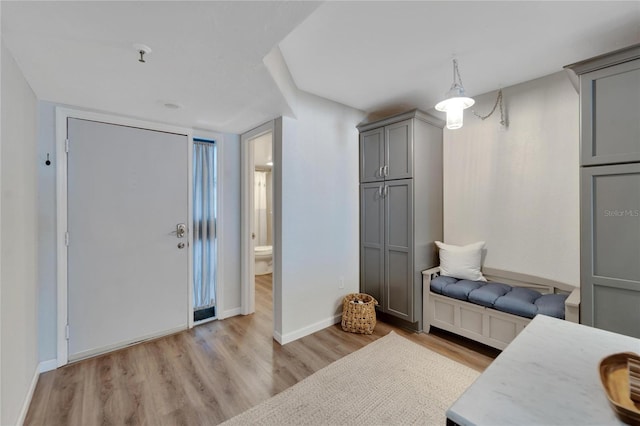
547,376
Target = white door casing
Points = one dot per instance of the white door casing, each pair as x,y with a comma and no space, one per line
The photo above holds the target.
136,279
247,275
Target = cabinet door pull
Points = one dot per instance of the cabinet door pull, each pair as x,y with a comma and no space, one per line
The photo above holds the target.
385,170
380,190
380,171
386,190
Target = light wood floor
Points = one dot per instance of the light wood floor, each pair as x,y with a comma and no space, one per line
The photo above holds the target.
208,374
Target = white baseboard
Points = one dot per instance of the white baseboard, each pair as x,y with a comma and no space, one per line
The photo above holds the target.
305,331
48,365
125,344
278,337
230,313
27,401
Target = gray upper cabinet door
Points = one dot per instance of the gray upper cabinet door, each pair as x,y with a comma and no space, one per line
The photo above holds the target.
372,239
610,125
399,150
610,247
372,154
398,298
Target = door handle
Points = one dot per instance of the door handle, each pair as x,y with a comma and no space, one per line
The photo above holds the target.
181,230
385,170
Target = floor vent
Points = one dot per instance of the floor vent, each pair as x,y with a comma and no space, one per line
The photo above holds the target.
202,314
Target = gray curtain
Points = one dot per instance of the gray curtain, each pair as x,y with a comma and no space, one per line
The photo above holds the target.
204,224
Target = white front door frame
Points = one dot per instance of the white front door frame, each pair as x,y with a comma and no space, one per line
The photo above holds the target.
62,114
247,273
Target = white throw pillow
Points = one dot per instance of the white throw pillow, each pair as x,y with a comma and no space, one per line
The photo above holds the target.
462,262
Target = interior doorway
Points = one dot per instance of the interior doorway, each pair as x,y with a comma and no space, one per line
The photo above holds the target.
257,214
263,204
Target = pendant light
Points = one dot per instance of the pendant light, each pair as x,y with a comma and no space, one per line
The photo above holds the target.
456,101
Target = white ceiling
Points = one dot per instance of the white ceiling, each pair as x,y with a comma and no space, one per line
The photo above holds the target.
206,56
388,55
374,56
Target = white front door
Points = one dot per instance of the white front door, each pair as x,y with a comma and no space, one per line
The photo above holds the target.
127,268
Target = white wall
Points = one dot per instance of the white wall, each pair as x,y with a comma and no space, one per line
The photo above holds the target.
316,208
320,214
229,202
518,189
18,254
47,270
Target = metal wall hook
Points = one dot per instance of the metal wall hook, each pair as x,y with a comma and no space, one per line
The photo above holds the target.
48,162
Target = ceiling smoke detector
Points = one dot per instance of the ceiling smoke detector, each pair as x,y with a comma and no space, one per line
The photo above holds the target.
142,50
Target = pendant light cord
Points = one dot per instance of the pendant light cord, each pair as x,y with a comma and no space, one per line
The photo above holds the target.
456,72
498,102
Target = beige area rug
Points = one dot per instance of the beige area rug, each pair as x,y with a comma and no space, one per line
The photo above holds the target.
391,381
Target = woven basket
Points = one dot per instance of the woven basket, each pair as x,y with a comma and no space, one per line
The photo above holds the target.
359,317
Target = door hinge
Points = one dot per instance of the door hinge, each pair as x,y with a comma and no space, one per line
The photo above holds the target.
66,238
66,332
66,145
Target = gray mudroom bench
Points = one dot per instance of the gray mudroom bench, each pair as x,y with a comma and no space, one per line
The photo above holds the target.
494,312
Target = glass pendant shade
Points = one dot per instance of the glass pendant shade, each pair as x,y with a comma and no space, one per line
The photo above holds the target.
454,107
455,102
454,118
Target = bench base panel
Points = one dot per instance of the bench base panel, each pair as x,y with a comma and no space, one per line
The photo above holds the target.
484,325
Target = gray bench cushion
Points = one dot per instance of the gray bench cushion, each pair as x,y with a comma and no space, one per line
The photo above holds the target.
551,305
514,300
461,289
519,301
488,294
438,283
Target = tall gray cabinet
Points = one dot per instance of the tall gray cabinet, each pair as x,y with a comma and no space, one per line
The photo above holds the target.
400,210
610,190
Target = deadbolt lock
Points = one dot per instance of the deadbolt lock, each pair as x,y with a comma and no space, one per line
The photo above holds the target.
181,230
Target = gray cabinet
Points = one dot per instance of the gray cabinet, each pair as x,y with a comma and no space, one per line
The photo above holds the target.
372,160
610,115
610,191
372,226
400,210
398,252
611,248
386,153
610,125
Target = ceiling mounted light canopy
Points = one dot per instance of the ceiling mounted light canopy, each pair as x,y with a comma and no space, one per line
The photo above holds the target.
142,50
456,101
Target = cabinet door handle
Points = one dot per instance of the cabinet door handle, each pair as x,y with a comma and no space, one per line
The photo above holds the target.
380,190
386,190
380,171
385,170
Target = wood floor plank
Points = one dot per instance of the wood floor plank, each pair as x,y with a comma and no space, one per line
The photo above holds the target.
210,373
